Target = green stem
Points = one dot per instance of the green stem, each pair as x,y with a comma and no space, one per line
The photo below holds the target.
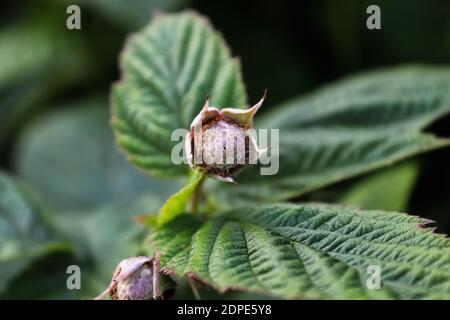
195,198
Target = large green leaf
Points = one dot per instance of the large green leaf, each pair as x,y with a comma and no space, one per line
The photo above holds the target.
70,157
310,251
26,233
168,68
349,128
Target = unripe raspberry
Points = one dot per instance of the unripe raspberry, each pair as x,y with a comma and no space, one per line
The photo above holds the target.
218,141
134,279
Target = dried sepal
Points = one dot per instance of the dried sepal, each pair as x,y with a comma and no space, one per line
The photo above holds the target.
244,118
223,134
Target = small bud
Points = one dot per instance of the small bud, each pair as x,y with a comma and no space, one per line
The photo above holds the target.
218,141
138,278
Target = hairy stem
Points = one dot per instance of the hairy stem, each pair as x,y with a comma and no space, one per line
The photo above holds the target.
195,198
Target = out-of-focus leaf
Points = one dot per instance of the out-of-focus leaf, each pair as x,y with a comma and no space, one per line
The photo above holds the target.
357,125
103,236
168,68
45,278
26,234
70,157
38,58
309,251
386,190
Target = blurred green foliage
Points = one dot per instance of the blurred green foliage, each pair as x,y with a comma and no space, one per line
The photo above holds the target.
68,197
370,192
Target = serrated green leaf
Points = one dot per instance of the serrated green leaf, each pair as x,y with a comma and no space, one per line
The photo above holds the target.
168,68
310,251
349,128
176,204
389,189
